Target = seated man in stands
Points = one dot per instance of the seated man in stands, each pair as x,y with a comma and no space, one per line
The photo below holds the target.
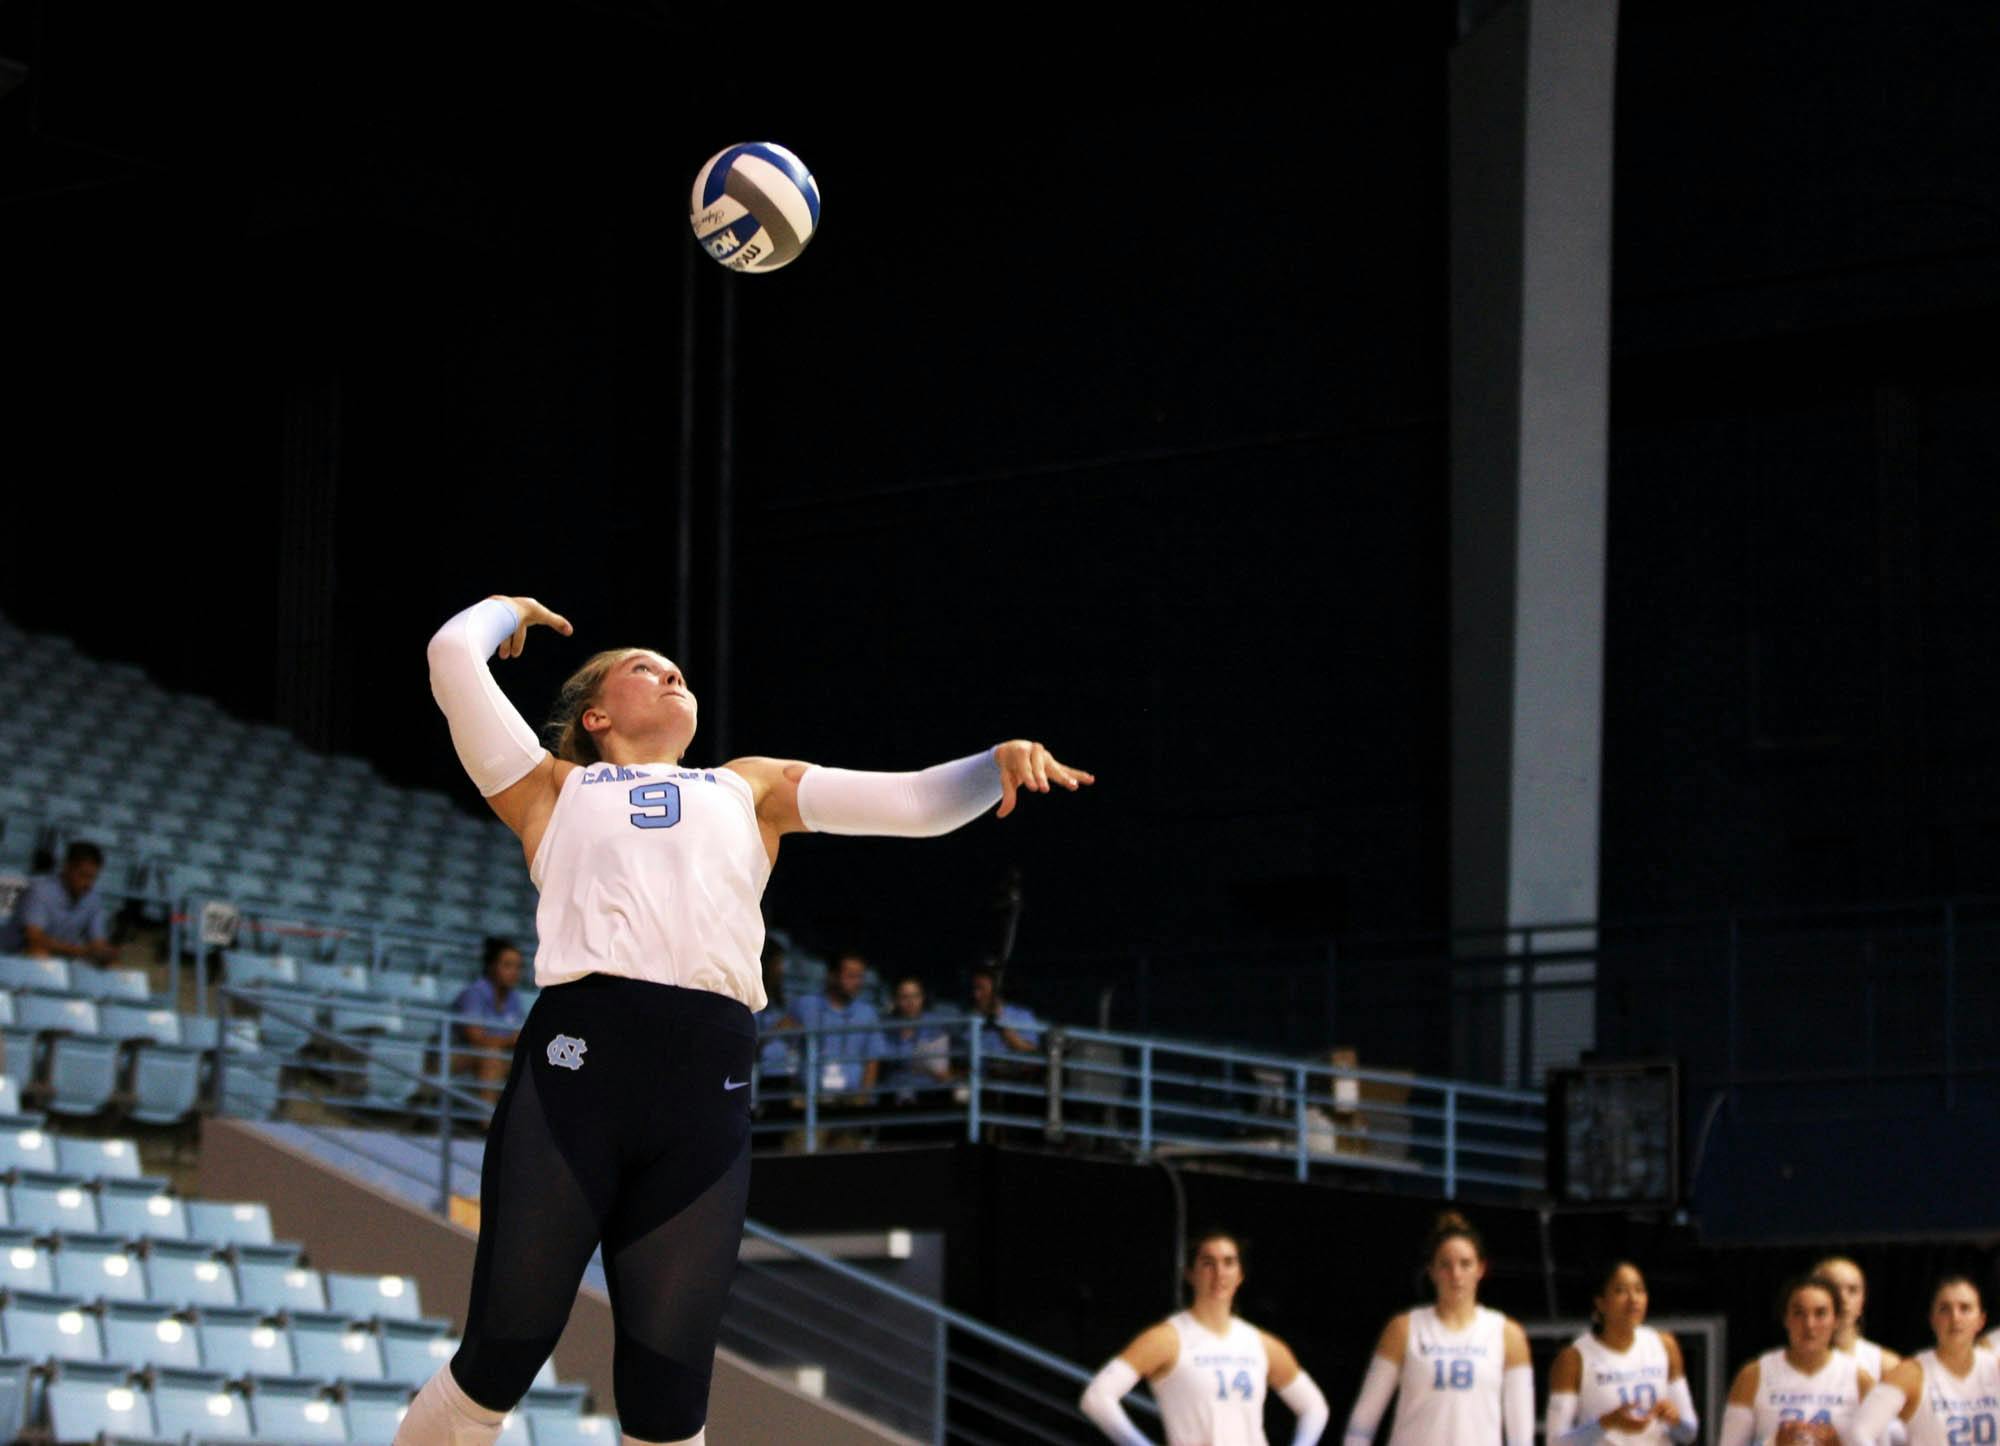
490,1015
1010,1028
61,914
848,1062
776,1056
919,1050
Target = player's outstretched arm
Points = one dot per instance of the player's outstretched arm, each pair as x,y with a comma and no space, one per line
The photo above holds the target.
794,797
499,751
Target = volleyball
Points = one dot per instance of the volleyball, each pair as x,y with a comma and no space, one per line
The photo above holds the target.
754,207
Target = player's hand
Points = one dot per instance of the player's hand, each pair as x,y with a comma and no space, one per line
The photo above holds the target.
1627,1420
1029,765
1666,1414
533,614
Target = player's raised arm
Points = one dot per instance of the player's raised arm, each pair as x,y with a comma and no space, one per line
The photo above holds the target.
796,797
500,752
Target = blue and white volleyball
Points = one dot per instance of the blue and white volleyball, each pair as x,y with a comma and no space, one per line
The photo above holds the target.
754,207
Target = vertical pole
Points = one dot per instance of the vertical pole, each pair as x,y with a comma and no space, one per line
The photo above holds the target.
1299,1117
1450,1143
1146,1098
940,1353
812,1091
1525,1066
1052,1118
974,1071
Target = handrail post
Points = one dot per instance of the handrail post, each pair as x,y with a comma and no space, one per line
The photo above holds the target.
938,1349
974,1072
1450,1143
1299,1116
1146,1098
444,1115
812,1091
1524,1078
1053,1115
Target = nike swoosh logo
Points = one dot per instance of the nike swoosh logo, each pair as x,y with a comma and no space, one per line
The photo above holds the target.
729,1084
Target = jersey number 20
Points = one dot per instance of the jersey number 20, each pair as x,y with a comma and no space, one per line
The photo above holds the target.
666,797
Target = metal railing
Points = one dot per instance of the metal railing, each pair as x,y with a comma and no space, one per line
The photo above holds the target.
1148,1096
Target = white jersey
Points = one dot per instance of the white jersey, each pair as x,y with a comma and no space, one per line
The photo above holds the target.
1868,1356
1633,1377
1214,1395
1784,1393
653,871
1450,1390
1958,1410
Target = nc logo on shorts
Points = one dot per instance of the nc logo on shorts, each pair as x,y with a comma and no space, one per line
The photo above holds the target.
566,1053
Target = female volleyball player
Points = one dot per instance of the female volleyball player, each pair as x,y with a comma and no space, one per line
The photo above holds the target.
1948,1396
1876,1360
1208,1367
625,1118
1621,1379
1807,1393
1459,1372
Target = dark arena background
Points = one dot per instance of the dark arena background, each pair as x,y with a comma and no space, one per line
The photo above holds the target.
1502,496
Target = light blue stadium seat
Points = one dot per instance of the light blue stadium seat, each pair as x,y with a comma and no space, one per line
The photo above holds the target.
232,1222
393,1070
17,971
148,1333
199,1406
249,969
334,1348
287,1018
55,1013
554,1399
10,1097
413,1350
129,1021
545,1429
166,1084
374,1410
82,1074
16,1397
84,1409
94,1267
187,1273
272,1278
24,1145
108,1159
104,984
24,1264
42,1326
52,1204
373,1297
243,1343
140,1210
250,1083
295,1409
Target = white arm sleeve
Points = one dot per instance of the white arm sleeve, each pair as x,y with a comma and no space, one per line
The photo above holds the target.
1689,1425
1101,1397
1376,1389
1517,1406
1882,1409
1738,1423
1561,1425
494,742
1309,1405
899,805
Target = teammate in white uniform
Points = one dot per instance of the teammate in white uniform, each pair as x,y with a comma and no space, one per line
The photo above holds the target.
1208,1368
625,1121
1460,1373
1949,1396
1807,1393
1876,1360
1622,1380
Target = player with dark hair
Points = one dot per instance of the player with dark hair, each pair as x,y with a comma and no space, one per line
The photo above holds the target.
1208,1367
1807,1393
1946,1396
626,1117
1621,1380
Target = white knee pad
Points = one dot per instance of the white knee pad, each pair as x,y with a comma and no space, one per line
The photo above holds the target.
443,1415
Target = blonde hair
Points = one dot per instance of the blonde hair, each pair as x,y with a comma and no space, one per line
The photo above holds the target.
567,738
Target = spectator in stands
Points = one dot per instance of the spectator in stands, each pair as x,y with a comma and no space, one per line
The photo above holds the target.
848,1062
774,1054
919,1050
62,914
1010,1028
490,1015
